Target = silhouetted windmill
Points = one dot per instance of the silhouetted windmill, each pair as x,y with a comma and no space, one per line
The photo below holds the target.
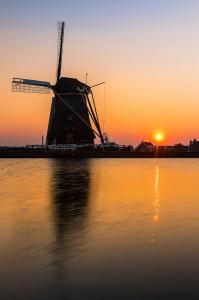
72,106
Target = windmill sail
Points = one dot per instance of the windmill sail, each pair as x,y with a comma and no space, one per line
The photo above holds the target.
60,42
30,86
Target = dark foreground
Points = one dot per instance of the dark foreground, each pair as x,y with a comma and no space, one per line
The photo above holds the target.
44,153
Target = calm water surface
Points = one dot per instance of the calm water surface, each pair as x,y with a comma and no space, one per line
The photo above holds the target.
99,229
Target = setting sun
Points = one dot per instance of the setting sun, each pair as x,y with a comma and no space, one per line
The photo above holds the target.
159,136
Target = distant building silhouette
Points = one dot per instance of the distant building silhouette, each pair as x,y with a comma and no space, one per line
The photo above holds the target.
194,146
145,147
174,148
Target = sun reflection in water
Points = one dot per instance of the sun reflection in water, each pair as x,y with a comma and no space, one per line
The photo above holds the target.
156,202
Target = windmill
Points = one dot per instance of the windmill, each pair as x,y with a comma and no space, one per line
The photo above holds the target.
73,105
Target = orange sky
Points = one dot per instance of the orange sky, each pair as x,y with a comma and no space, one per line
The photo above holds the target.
148,58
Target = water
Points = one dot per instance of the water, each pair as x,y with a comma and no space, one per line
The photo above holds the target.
99,229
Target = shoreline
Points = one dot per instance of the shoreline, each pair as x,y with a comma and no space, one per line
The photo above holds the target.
43,153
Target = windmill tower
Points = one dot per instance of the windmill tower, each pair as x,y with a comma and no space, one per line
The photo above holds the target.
73,105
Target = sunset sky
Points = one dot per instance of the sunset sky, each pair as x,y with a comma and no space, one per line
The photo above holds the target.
147,51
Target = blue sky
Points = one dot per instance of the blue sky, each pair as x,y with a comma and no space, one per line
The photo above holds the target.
93,12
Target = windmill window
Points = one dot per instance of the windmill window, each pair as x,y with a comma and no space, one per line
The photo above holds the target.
70,117
66,128
69,138
73,128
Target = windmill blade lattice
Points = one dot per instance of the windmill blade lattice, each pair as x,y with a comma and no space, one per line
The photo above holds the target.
60,41
30,86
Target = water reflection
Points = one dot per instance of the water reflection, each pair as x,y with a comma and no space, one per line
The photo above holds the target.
78,229
70,183
70,190
156,202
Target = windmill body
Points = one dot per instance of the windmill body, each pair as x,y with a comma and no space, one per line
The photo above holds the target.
65,127
71,108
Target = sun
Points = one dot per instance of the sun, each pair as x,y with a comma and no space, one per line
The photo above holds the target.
159,136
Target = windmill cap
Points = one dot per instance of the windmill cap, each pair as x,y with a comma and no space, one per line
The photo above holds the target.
71,85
